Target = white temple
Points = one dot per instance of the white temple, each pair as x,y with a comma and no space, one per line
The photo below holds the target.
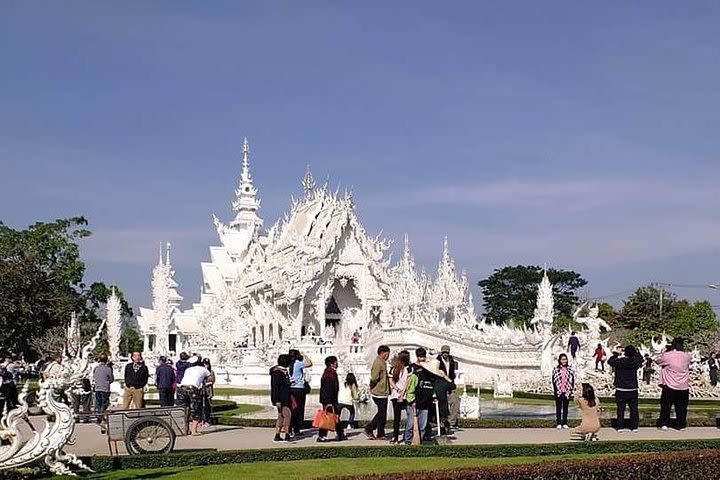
314,280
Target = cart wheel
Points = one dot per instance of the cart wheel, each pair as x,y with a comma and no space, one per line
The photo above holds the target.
149,435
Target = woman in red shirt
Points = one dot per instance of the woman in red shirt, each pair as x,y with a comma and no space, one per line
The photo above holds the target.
600,358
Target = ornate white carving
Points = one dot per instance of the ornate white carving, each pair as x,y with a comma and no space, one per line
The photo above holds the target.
47,442
545,310
114,325
73,338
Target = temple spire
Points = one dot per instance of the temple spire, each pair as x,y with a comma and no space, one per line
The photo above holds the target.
308,181
246,204
167,253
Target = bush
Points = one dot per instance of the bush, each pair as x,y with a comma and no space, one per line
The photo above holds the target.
101,464
688,464
23,473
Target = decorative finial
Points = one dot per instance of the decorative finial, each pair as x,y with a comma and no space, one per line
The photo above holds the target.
246,161
167,253
407,245
308,181
160,254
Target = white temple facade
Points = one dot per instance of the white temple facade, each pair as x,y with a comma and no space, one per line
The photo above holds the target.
316,280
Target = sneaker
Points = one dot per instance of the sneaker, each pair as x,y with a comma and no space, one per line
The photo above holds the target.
287,439
277,438
594,438
559,427
321,439
369,435
623,430
683,429
565,426
664,427
635,430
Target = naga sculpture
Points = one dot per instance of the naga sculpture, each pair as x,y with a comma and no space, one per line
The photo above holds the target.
23,443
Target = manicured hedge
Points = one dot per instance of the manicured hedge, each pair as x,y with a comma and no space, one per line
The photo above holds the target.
23,473
700,464
102,464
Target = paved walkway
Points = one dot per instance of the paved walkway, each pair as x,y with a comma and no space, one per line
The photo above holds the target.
89,441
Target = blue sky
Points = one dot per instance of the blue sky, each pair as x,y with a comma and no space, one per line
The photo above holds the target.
581,135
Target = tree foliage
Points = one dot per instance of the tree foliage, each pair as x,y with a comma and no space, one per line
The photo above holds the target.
641,314
691,320
510,293
41,284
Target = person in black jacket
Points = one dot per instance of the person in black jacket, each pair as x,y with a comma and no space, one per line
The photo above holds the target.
280,396
329,389
136,377
626,385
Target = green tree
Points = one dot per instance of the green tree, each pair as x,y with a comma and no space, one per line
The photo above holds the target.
691,320
41,284
607,312
642,309
130,340
510,293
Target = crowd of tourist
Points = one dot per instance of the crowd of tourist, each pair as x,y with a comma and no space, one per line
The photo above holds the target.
674,364
412,388
420,390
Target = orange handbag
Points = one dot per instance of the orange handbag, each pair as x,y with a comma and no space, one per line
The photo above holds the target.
326,419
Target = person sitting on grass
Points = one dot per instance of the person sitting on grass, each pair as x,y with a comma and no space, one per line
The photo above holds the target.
590,413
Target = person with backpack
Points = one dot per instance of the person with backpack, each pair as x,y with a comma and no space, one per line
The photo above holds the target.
418,395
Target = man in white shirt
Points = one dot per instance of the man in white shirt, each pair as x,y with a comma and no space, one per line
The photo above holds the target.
192,383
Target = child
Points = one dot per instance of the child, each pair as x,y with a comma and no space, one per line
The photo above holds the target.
590,411
347,398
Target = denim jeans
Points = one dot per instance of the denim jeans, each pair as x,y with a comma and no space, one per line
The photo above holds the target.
351,409
102,402
422,422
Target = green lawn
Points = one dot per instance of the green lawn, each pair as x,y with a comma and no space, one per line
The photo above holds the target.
241,409
311,469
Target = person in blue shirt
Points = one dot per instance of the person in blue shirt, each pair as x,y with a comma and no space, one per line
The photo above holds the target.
298,389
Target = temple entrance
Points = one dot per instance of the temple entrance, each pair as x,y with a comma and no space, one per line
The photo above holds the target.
172,342
332,318
343,311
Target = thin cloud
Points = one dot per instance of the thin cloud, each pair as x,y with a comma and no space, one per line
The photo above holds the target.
574,194
140,246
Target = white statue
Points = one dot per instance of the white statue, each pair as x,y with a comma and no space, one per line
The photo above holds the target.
502,387
22,446
593,323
